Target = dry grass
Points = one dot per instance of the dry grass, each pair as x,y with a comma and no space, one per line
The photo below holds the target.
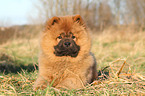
123,51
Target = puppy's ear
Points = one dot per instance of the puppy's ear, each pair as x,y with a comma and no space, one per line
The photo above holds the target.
78,18
52,22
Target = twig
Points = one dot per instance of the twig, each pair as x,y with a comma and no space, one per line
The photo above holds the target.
121,68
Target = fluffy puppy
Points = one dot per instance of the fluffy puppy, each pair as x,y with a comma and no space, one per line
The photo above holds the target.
65,59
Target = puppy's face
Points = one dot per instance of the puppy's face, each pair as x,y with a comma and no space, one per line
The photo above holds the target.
65,36
66,45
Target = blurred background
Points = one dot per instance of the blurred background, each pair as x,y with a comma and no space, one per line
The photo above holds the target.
18,17
110,21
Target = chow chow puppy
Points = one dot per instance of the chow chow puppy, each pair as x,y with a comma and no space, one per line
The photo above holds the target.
65,59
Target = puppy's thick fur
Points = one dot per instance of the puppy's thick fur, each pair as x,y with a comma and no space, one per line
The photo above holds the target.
65,59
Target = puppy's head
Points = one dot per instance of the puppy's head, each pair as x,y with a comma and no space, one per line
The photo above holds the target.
65,36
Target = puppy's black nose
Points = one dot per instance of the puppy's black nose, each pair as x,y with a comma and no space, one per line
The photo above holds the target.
67,44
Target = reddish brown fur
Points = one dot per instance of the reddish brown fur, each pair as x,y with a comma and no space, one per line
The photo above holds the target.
67,72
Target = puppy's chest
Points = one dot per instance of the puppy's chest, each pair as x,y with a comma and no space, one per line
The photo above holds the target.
65,68
62,66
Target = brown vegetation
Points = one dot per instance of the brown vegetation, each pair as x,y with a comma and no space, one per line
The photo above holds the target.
19,32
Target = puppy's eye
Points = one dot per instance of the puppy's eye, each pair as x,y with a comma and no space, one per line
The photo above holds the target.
73,37
59,37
